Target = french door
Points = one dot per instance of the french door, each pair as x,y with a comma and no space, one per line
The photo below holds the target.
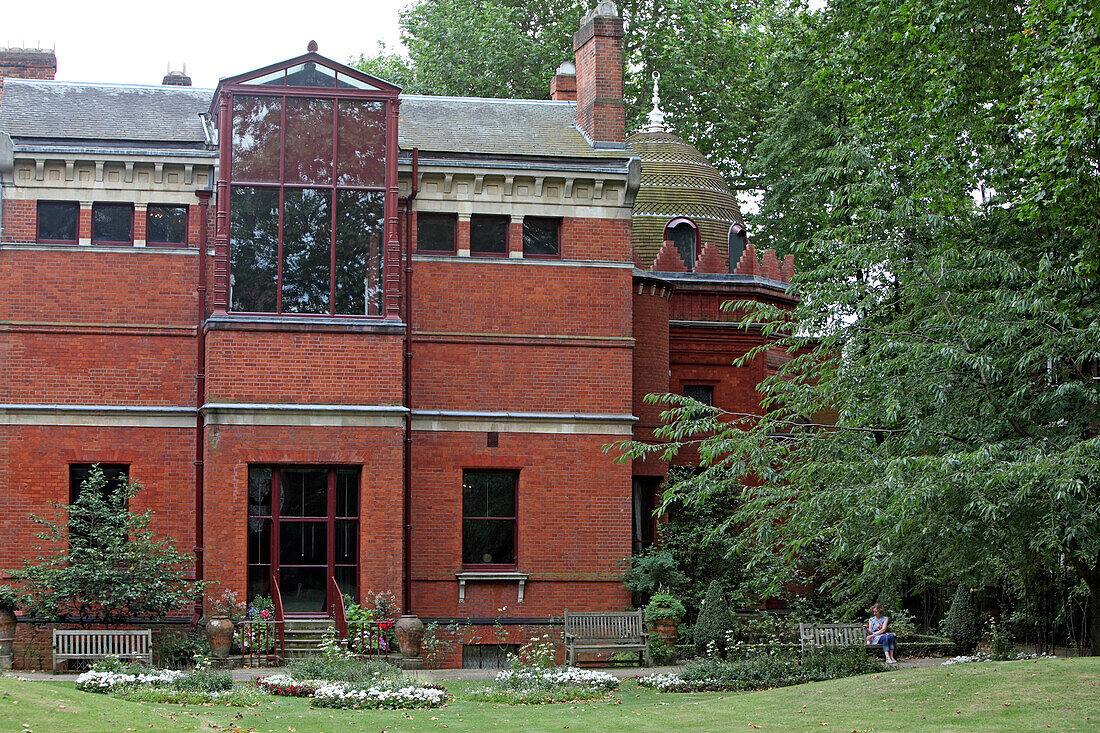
303,526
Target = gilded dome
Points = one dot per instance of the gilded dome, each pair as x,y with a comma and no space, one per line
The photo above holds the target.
678,182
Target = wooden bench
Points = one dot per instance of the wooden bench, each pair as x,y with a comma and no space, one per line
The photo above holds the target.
622,631
817,636
101,643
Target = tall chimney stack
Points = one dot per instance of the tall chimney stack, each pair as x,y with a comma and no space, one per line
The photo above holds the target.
27,63
598,47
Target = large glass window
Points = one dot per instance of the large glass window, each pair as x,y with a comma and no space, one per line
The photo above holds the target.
112,223
307,202
57,221
489,517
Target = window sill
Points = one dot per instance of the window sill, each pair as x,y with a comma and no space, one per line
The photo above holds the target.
331,324
490,575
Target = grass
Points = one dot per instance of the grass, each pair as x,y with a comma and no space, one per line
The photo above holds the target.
1060,695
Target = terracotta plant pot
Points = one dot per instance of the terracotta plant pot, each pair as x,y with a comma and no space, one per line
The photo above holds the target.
666,629
7,637
219,632
410,632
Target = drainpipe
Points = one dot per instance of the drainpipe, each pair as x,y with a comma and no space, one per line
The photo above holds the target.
200,394
7,168
406,514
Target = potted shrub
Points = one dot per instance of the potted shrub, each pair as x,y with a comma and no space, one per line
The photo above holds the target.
664,613
219,628
8,603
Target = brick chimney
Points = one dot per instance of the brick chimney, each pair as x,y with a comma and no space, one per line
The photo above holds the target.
176,78
563,87
26,63
598,47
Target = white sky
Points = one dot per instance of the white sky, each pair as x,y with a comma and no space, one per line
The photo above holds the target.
124,41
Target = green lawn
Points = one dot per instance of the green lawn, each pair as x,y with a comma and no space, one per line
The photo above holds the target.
1061,695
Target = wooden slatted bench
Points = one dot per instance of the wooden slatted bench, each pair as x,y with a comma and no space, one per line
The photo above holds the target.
101,643
817,636
622,631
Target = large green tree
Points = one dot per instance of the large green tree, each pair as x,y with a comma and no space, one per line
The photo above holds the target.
950,313
511,48
100,562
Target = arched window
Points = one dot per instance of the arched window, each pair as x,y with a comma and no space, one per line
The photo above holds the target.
685,236
738,238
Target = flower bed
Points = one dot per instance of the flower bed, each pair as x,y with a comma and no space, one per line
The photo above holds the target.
981,656
286,686
389,695
106,682
534,685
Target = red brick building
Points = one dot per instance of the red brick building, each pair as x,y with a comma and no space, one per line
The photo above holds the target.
338,332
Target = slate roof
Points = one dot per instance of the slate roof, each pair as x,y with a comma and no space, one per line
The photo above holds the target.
43,110
117,112
495,127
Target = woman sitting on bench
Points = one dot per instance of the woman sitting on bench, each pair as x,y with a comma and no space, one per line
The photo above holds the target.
879,635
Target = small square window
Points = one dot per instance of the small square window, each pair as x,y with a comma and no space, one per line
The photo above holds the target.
489,235
541,236
700,393
117,475
435,233
112,223
57,222
166,226
489,517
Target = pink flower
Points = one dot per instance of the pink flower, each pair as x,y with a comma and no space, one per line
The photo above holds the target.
265,614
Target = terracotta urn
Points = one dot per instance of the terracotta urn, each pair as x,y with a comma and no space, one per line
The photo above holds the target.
7,637
219,632
410,632
666,628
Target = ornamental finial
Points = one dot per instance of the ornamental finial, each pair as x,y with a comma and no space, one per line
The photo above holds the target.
656,116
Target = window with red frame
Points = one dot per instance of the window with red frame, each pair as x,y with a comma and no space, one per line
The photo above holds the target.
166,226
541,236
489,235
307,204
489,517
57,222
112,224
435,233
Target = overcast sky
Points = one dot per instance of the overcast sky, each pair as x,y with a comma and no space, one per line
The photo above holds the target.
133,42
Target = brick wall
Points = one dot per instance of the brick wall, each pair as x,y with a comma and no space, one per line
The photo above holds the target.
303,367
36,471
573,523
378,451
650,368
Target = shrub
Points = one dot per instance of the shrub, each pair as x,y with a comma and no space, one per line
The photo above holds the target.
960,625
661,652
336,664
714,622
9,601
763,672
651,571
179,648
1000,643
240,696
204,679
664,607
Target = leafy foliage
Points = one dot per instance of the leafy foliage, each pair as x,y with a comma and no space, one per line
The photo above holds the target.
177,649
101,563
938,411
664,607
9,599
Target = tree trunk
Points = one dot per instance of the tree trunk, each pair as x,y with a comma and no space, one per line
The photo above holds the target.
1094,622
